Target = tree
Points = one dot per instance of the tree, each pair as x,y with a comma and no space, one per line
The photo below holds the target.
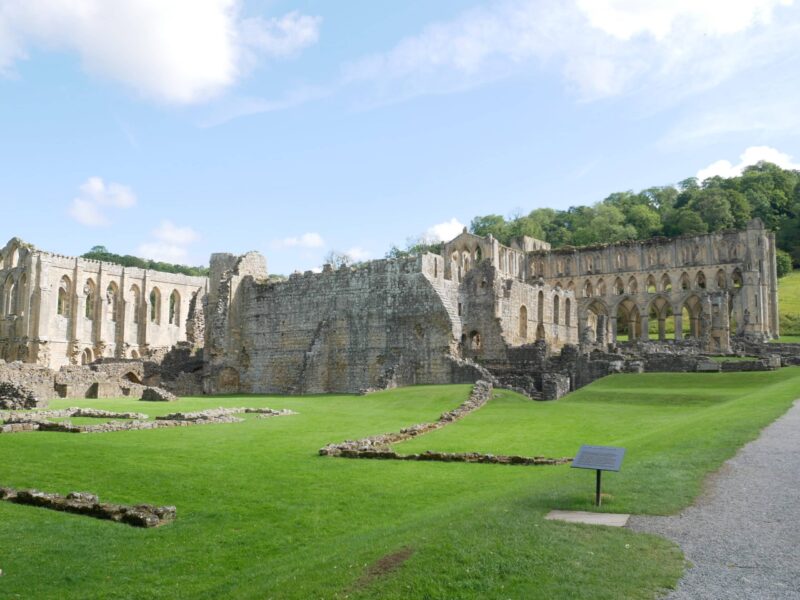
783,263
337,259
491,225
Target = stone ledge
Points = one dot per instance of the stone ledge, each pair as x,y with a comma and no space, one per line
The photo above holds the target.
84,503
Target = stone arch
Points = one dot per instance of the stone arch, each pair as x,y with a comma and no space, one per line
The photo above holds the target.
540,307
175,308
13,257
666,283
90,297
633,285
571,286
722,280
475,343
136,301
87,356
9,296
684,281
478,254
700,280
619,287
596,321
155,306
588,290
629,322
556,309
112,298
691,313
64,295
736,278
660,316
567,312
600,290
523,322
651,284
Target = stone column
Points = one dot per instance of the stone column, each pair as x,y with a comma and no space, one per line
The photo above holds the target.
679,325
662,329
645,333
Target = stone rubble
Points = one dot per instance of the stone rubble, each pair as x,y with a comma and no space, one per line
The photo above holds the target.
378,446
157,394
85,503
15,396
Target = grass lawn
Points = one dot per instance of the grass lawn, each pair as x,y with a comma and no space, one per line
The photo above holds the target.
260,515
789,306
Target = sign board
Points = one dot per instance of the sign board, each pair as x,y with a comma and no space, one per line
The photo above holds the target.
600,458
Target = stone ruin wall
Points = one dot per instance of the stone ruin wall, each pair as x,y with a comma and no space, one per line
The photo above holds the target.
379,325
727,282
57,310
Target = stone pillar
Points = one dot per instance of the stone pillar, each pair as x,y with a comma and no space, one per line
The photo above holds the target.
679,325
602,329
662,329
645,333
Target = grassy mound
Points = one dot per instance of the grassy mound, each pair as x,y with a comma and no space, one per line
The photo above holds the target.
261,515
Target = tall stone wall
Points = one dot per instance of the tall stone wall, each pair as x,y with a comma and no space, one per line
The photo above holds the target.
57,310
379,325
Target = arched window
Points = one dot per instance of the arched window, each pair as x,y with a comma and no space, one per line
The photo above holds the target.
174,308
112,297
619,287
22,291
136,299
666,283
64,293
722,280
601,288
651,284
567,311
685,281
587,289
633,286
9,296
90,295
556,302
700,280
523,322
736,277
540,307
155,306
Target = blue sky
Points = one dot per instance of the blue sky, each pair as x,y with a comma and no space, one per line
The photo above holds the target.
176,129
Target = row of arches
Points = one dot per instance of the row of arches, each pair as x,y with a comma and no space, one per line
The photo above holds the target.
558,318
113,304
664,284
661,319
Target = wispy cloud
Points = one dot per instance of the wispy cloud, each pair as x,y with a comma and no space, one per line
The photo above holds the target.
176,51
306,240
751,156
96,199
170,244
602,48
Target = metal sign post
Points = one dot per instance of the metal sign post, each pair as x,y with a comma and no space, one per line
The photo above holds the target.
599,458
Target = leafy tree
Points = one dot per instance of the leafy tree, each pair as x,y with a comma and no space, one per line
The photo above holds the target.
783,263
491,224
102,254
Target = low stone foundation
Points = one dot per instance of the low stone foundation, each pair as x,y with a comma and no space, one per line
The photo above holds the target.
84,503
378,446
15,396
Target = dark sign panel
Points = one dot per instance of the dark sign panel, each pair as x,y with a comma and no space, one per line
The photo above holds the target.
602,458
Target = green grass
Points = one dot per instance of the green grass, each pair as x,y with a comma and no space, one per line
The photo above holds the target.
789,306
261,515
787,339
726,359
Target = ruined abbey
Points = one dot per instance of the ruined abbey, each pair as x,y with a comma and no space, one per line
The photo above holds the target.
519,311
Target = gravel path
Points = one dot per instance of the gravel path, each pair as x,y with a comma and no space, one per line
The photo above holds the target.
743,534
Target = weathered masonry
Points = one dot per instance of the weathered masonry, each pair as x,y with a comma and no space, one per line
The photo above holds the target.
399,322
58,310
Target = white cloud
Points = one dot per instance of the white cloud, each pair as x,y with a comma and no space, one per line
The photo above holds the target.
443,232
358,254
89,208
284,36
177,51
751,156
307,240
624,19
601,47
171,243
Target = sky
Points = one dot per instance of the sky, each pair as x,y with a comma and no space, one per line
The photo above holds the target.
172,130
